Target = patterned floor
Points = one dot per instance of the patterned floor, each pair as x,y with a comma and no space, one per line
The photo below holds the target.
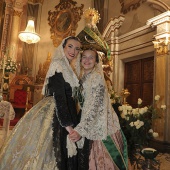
162,163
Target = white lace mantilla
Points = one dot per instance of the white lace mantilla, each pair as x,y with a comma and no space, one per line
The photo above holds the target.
98,118
60,64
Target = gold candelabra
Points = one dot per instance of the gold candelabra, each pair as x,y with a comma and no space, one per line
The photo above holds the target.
125,93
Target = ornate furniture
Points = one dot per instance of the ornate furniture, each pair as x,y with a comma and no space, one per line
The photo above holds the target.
21,94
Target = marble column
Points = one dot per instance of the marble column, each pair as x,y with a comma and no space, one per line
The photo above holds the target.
162,71
6,27
15,27
110,34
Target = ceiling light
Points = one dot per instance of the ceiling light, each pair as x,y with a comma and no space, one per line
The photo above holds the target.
29,35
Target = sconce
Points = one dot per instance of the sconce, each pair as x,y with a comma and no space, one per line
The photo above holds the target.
29,35
162,45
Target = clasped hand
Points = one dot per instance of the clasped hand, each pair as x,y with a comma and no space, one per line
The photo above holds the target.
73,135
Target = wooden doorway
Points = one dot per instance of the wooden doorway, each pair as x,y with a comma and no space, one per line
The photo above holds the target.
139,75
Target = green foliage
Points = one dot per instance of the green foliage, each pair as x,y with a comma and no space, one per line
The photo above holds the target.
136,123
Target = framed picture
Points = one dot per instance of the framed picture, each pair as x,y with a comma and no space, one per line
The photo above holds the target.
63,21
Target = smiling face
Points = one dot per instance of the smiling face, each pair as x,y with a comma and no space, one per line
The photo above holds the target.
88,60
71,49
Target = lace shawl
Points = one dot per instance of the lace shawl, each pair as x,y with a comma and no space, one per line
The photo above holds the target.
60,64
98,118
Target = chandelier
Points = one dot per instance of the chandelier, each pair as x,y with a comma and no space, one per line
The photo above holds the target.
29,35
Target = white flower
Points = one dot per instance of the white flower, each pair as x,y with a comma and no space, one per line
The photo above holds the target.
135,111
129,107
125,112
139,101
136,123
141,111
150,131
122,116
155,134
145,109
138,126
157,97
131,124
120,108
141,123
163,107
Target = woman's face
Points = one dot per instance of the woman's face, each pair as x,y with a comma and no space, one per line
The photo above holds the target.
72,49
88,60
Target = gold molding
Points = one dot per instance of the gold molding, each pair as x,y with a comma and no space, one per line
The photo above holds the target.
36,1
63,21
128,5
162,50
17,13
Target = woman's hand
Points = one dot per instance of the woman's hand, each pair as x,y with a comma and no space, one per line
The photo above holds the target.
74,136
69,129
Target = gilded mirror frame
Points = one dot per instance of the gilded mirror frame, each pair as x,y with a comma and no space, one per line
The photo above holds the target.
63,21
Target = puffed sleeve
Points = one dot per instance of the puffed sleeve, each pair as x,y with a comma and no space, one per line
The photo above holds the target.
56,87
93,124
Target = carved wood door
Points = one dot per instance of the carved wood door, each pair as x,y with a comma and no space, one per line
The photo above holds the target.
139,76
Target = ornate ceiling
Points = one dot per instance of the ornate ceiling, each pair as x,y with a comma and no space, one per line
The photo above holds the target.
128,5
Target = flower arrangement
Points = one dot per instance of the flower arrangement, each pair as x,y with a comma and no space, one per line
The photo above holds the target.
7,64
136,123
10,66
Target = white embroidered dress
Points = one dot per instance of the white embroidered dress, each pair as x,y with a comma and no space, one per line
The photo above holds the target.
98,118
98,121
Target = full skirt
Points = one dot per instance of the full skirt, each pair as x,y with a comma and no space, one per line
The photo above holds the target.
30,145
101,157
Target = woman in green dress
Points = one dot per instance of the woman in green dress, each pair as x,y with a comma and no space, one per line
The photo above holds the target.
101,143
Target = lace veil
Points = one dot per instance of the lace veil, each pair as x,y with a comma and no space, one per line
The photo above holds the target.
61,64
98,117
